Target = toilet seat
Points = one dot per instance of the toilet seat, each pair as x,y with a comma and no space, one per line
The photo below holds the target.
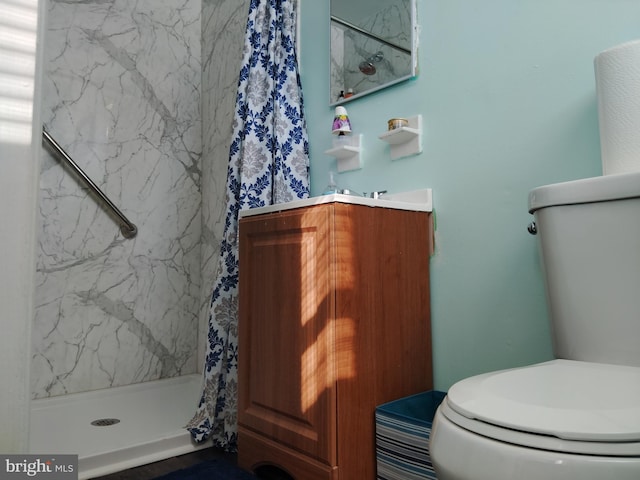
561,405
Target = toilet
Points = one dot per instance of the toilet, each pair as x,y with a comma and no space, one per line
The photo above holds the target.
578,416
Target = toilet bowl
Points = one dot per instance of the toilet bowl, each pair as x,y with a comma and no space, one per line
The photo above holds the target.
576,417
561,419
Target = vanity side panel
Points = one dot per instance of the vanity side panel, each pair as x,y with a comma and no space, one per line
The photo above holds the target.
383,330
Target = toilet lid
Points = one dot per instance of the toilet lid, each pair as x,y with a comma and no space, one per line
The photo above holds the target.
586,190
570,400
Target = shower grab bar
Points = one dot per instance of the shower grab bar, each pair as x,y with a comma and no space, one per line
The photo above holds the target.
128,229
351,26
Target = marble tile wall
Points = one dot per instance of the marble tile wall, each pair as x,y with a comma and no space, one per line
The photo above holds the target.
122,94
337,80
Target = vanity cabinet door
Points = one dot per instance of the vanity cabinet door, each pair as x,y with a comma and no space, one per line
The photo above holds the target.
286,369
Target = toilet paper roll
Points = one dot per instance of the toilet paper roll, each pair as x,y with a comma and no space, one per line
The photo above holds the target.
617,73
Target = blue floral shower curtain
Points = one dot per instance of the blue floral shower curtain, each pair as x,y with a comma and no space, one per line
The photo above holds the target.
268,164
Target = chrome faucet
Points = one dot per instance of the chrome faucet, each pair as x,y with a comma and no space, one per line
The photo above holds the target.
377,194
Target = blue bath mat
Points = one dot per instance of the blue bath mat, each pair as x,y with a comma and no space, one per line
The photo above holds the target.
210,470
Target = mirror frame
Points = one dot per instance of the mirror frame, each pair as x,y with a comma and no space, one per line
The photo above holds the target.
414,58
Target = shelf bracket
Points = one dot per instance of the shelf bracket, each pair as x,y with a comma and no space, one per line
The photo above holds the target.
348,156
405,141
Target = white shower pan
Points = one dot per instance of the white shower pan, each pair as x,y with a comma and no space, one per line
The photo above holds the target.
136,424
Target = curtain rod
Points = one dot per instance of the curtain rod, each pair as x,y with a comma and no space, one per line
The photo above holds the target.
351,26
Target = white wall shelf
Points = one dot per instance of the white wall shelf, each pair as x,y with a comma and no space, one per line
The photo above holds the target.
405,141
348,156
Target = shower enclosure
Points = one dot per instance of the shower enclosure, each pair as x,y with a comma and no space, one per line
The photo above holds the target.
131,93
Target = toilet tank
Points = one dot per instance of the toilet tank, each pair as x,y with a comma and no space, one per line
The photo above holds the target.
589,242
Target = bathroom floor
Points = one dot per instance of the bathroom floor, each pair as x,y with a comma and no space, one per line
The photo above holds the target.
157,469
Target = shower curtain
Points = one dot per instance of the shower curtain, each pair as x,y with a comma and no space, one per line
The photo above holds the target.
268,164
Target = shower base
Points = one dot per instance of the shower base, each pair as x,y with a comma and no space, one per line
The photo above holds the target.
133,425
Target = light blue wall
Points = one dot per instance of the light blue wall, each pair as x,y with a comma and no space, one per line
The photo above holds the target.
507,93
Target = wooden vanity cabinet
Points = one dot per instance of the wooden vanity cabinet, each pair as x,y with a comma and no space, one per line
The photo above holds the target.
334,320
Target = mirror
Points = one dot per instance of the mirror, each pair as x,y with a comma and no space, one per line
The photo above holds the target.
372,46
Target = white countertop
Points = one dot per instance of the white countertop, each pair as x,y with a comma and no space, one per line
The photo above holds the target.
417,200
